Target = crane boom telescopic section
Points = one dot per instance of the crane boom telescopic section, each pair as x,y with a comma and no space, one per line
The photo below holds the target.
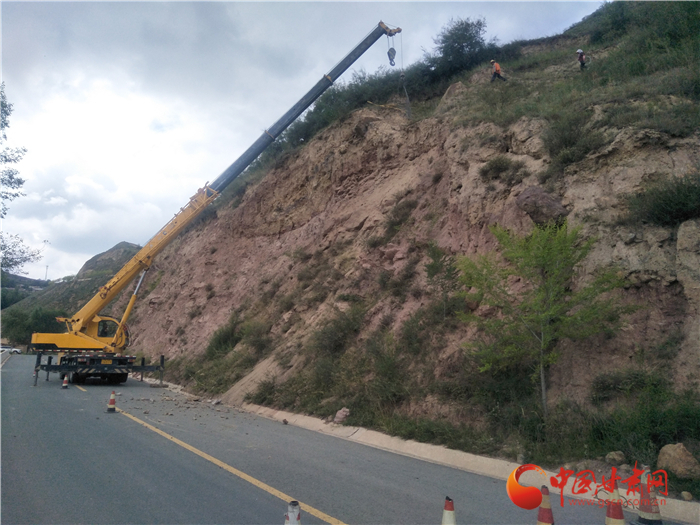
87,330
269,136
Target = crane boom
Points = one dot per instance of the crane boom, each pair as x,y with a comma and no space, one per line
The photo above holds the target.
269,136
86,329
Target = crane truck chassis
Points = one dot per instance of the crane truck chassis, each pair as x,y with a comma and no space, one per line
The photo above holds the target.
93,345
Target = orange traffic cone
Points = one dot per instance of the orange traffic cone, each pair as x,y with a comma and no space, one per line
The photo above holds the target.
293,515
613,512
649,513
448,513
544,514
65,381
112,405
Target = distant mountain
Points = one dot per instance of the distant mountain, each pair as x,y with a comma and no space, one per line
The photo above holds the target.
109,262
18,281
70,295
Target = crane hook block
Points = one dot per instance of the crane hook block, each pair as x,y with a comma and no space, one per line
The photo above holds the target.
392,56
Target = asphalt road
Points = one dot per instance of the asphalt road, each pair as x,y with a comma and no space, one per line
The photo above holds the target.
168,459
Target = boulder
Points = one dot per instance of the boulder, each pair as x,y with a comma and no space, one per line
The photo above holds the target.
677,459
341,415
687,496
615,458
542,207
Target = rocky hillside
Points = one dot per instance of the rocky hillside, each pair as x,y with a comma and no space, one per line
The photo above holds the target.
311,293
328,201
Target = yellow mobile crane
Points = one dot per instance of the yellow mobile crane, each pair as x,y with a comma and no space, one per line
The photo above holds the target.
93,344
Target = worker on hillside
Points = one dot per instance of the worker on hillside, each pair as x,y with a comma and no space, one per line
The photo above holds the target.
581,58
496,71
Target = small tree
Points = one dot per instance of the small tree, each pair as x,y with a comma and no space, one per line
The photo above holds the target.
442,274
15,253
546,309
460,46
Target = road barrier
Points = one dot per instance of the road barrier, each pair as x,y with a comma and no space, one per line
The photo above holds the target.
613,512
293,515
544,514
649,513
448,513
112,405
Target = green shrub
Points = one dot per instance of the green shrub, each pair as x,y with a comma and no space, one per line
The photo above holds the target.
335,334
655,420
287,302
398,286
350,298
398,215
264,394
376,241
610,385
256,334
667,203
669,348
504,169
569,139
224,339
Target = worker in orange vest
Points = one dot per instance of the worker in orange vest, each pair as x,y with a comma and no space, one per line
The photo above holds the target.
496,71
581,58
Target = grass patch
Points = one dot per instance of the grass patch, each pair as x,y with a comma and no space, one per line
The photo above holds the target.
336,333
399,285
225,338
623,383
569,139
667,203
397,217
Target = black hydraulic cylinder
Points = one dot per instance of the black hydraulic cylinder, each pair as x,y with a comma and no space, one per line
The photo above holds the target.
267,138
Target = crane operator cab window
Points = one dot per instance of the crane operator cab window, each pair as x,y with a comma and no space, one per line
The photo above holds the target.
107,328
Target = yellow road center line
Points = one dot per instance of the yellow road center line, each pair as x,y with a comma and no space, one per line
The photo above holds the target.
80,388
250,479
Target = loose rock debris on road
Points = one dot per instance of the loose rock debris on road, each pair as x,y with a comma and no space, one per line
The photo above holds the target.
173,403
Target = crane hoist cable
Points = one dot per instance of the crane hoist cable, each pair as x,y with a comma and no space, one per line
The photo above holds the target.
391,53
402,77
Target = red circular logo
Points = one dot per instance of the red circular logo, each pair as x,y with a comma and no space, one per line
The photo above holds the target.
524,497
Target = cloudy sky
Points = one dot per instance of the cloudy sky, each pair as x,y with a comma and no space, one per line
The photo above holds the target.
126,108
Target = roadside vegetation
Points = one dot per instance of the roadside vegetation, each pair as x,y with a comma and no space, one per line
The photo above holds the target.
496,396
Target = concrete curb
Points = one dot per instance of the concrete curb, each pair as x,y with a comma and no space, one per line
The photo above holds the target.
684,511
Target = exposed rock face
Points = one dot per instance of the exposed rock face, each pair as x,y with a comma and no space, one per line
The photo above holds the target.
677,459
331,198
